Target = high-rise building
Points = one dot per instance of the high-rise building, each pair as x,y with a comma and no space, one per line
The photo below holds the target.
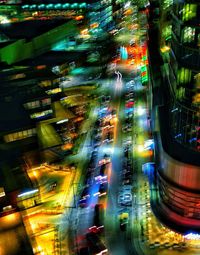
178,169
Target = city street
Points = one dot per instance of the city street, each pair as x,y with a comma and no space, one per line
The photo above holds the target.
85,145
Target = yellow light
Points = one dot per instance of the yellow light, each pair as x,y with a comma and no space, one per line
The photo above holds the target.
94,25
140,148
165,49
115,119
35,173
80,17
84,31
39,248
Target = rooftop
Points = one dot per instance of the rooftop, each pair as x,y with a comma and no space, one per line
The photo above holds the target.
13,115
53,58
30,28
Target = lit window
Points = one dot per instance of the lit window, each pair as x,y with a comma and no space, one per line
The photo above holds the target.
188,34
189,11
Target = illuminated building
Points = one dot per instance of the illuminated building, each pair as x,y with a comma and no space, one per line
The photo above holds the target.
178,136
28,93
98,13
101,12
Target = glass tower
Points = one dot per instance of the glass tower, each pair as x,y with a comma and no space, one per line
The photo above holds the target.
178,171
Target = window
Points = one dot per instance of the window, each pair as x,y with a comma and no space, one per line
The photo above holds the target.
188,34
19,135
189,12
46,101
43,114
184,76
167,3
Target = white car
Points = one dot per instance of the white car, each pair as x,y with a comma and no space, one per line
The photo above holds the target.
125,196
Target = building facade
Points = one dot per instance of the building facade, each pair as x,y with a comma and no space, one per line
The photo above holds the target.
178,147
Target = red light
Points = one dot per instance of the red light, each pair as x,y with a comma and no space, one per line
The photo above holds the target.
40,67
143,74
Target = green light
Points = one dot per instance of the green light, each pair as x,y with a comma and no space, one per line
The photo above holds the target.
75,5
82,5
168,37
143,69
65,5
49,6
41,6
144,58
144,80
57,6
25,6
33,6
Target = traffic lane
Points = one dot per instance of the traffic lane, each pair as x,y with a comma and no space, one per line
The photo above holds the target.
135,227
88,213
118,242
140,135
116,239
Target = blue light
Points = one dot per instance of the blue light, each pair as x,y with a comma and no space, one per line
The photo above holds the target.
179,135
192,139
148,167
149,144
128,110
192,236
28,193
176,109
123,53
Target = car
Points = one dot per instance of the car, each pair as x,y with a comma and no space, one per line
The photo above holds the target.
127,181
97,144
127,174
105,160
89,172
103,189
123,220
102,169
94,155
109,136
98,219
89,181
127,199
83,201
125,196
101,179
101,176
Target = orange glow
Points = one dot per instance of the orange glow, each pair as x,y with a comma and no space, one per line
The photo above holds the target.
84,32
13,217
109,172
67,146
117,60
40,67
78,119
148,153
73,135
128,12
94,25
79,17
